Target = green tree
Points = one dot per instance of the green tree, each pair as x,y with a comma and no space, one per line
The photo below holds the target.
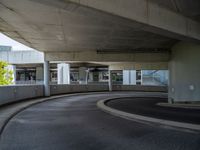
6,76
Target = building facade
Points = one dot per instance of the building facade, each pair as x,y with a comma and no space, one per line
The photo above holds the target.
28,69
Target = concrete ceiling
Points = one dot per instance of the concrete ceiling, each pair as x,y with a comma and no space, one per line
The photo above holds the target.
190,8
47,26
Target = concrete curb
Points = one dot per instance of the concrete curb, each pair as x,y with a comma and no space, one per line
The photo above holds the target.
187,106
140,118
26,104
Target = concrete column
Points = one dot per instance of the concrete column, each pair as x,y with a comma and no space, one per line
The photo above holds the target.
87,75
184,73
46,79
132,77
126,77
110,80
83,75
63,73
129,77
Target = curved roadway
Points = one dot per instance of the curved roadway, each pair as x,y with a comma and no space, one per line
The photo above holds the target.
75,123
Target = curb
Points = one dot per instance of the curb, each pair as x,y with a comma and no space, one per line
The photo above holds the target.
139,118
186,106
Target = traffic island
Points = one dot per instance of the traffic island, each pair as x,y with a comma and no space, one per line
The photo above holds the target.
145,109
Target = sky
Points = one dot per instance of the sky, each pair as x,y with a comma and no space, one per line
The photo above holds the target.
6,41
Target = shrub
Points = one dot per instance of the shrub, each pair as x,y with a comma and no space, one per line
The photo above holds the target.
6,75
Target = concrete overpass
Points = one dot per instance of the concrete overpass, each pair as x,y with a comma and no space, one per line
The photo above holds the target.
120,33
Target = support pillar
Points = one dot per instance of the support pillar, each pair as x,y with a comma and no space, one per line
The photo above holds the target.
184,73
129,77
63,73
46,79
110,80
87,75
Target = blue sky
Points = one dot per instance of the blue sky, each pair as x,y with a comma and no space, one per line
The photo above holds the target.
6,41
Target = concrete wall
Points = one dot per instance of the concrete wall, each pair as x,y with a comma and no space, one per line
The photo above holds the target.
184,73
10,94
62,89
22,57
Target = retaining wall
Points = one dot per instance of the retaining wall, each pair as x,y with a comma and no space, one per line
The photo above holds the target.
15,93
9,94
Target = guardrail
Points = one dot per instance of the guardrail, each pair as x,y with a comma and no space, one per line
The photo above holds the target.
9,94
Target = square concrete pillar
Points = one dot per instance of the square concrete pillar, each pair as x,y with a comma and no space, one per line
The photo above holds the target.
63,73
46,78
129,77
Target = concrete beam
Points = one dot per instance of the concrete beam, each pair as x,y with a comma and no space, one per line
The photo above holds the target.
140,66
154,17
112,57
22,57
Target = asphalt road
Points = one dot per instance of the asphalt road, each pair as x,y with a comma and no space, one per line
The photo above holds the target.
148,107
75,123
